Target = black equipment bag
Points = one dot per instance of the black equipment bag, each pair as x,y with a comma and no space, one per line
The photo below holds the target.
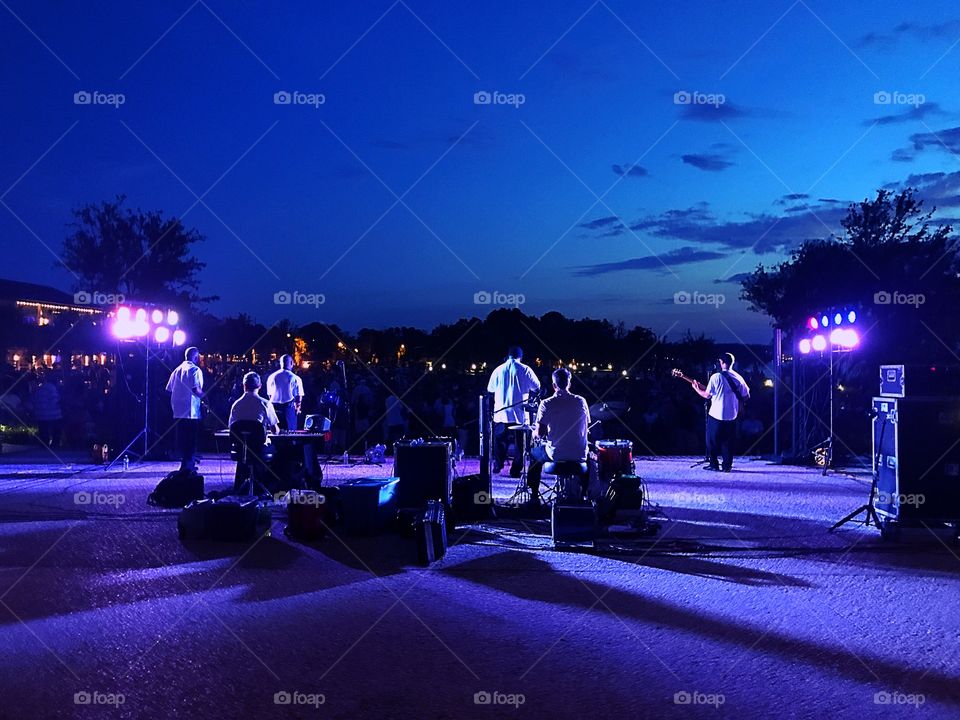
177,489
432,533
233,518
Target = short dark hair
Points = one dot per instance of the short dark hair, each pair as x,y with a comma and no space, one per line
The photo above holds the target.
515,351
251,381
561,378
727,358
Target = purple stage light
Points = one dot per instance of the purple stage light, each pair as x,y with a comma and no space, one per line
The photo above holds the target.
837,319
805,345
141,315
852,316
179,337
123,314
122,329
161,334
824,321
173,318
819,343
813,323
156,317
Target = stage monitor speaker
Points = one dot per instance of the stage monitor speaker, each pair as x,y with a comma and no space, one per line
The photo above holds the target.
917,457
425,471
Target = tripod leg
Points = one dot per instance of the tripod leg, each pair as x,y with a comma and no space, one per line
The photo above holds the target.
848,518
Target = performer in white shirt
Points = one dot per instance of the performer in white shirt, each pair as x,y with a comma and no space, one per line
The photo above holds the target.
562,423
251,407
285,390
511,383
726,390
186,390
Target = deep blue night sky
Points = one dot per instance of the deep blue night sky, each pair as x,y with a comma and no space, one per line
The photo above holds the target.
598,196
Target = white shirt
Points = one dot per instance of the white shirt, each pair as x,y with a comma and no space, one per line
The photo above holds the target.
567,417
250,406
723,403
284,386
183,380
510,383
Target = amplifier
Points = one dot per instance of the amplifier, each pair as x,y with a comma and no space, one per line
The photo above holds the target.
917,458
919,380
425,469
572,524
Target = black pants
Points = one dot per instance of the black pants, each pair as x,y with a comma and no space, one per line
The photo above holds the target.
49,432
187,442
287,415
502,436
720,436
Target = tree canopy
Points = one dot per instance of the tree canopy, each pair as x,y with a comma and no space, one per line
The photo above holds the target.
894,264
141,254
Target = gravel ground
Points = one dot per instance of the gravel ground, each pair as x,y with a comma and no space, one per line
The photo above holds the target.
742,606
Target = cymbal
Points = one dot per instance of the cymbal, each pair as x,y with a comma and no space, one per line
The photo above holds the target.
608,410
519,427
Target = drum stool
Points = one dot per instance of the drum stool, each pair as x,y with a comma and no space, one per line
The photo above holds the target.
570,482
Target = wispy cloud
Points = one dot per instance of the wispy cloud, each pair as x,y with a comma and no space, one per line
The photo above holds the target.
947,140
710,162
657,263
945,30
915,114
634,171
600,222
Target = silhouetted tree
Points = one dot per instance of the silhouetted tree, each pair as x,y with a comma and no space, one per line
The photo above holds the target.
893,264
143,255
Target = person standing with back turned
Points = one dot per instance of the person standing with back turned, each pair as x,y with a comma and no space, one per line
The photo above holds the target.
285,390
511,383
186,391
726,390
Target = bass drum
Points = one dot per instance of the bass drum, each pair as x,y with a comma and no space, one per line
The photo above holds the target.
614,457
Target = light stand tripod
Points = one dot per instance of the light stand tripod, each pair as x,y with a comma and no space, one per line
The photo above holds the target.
868,508
145,430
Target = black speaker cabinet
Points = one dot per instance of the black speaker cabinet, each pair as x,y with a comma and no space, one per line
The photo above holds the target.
425,471
916,448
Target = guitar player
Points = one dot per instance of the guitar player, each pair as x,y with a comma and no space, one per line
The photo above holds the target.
726,390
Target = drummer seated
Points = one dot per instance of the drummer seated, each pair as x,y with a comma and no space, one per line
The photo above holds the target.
251,410
561,426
